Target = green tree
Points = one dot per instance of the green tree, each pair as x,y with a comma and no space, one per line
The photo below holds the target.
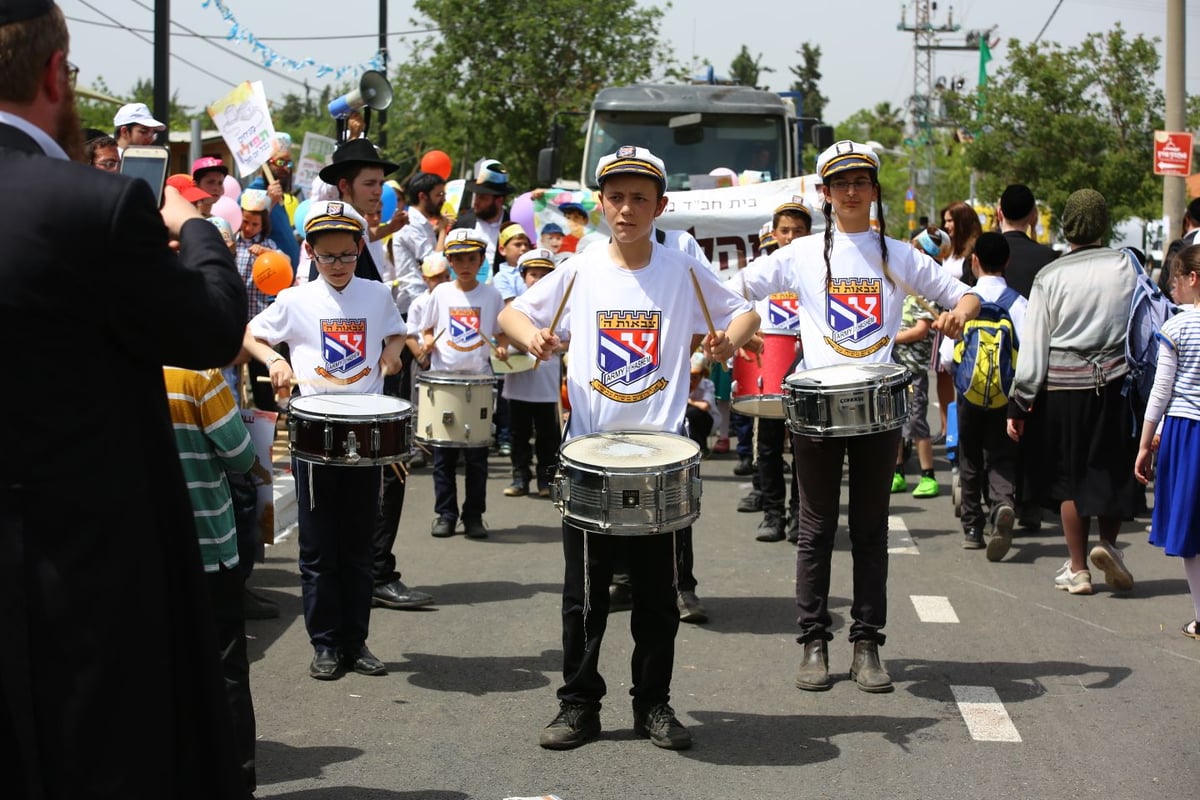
99,114
491,83
297,115
745,69
1060,119
808,78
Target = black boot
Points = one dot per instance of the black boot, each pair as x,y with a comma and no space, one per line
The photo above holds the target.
813,675
866,669
771,528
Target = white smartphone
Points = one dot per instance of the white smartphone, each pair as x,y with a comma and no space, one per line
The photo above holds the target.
148,162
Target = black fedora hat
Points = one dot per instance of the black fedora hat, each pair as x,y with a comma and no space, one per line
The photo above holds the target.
353,153
490,178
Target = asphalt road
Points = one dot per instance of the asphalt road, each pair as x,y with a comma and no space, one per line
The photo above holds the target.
1030,693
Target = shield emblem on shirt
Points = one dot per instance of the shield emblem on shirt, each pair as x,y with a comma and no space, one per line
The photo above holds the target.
464,328
627,348
783,311
343,344
855,309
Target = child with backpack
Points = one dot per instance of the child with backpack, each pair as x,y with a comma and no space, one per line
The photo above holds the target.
983,362
1175,400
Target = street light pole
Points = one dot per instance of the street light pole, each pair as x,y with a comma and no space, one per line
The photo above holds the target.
1174,186
162,53
382,138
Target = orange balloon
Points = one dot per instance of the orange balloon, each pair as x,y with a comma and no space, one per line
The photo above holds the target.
273,272
437,162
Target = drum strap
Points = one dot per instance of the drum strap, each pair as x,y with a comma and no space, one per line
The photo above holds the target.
587,585
312,496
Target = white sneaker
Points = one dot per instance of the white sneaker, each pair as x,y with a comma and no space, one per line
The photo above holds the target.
1074,582
1111,561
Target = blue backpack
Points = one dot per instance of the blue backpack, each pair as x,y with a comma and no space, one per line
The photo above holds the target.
986,355
1148,310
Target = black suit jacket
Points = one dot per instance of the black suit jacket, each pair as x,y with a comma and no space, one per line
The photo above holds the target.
109,682
1025,258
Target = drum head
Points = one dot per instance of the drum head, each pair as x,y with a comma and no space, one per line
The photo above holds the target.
846,375
459,378
517,362
630,450
348,404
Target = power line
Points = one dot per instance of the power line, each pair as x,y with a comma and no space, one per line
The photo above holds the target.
1047,25
223,38
181,59
226,50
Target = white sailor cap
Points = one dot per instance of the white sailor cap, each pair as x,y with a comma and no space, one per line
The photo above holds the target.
846,155
632,160
333,215
538,257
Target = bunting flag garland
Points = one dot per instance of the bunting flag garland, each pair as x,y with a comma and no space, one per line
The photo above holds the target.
271,58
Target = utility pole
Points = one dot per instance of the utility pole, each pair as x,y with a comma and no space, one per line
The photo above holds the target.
920,104
162,74
1174,187
382,138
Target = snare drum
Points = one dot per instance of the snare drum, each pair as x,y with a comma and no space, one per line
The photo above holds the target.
454,409
517,362
628,483
758,390
352,430
848,399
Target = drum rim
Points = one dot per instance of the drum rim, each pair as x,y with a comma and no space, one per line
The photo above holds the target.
575,463
449,378
897,375
294,411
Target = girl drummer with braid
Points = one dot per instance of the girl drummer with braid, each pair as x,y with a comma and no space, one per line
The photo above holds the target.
851,285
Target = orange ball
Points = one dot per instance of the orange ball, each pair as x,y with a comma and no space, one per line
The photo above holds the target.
273,272
438,163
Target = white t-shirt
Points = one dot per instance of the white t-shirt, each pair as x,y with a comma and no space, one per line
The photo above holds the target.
539,385
410,245
336,338
676,240
860,317
491,232
631,336
988,288
468,319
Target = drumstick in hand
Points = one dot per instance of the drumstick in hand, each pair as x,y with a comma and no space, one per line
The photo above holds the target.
562,304
712,331
757,355
921,301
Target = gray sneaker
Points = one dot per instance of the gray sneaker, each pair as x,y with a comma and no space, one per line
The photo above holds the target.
1074,582
1111,561
659,725
575,725
1002,526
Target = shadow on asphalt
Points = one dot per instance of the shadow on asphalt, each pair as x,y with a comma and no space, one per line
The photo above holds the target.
453,594
1014,681
767,740
772,616
276,762
362,793
479,675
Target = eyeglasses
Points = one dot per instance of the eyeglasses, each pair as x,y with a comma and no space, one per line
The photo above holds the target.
109,164
285,163
861,185
330,258
72,73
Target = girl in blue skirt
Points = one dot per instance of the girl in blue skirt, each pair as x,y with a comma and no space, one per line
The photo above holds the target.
1175,400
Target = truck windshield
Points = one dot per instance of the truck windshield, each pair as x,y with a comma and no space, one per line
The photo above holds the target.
691,144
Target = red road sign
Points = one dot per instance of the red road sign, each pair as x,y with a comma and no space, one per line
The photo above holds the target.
1172,153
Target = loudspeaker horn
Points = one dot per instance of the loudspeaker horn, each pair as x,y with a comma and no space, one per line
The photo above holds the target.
373,91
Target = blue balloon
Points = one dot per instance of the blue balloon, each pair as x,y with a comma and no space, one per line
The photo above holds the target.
389,204
299,216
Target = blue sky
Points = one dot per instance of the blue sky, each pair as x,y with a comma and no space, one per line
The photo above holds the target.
869,63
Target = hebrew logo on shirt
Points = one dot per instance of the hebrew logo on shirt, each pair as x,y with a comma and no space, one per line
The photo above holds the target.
783,311
465,328
343,350
627,352
855,314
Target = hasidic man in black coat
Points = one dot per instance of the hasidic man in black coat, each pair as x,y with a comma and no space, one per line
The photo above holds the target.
110,685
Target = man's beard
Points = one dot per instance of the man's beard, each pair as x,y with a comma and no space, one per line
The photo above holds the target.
493,213
69,131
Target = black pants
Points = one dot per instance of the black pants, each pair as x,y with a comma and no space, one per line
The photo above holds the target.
685,562
818,463
445,488
700,425
771,474
225,591
653,622
528,418
743,429
336,520
245,514
985,454
391,506
263,393
501,416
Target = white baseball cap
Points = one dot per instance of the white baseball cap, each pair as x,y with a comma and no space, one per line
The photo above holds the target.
137,114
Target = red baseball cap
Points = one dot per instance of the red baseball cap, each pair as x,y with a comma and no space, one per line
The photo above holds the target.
188,188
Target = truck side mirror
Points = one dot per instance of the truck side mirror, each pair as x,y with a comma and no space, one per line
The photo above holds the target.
822,137
549,166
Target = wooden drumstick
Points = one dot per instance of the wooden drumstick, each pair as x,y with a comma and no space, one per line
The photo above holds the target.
562,304
396,469
921,301
712,331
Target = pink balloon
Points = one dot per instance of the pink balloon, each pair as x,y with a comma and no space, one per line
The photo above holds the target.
227,209
521,212
233,189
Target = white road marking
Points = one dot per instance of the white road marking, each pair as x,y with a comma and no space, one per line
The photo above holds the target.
986,718
899,542
933,609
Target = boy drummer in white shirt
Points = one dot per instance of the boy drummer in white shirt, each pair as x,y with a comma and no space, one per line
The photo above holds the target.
629,304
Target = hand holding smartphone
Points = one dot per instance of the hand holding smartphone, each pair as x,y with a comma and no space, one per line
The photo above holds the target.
149,163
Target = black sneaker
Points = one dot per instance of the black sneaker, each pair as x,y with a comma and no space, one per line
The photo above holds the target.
443,527
751,503
745,467
793,528
474,529
973,539
771,528
660,726
575,725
